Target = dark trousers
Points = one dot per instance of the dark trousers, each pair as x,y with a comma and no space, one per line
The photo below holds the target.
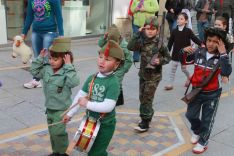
120,100
205,103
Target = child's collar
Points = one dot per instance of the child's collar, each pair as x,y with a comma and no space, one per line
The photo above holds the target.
104,74
180,28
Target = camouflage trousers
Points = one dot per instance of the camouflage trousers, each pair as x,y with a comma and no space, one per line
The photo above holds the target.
146,95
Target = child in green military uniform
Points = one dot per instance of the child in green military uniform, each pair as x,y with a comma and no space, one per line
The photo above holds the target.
104,92
59,77
113,33
147,42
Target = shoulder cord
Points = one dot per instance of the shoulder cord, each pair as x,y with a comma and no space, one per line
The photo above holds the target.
90,94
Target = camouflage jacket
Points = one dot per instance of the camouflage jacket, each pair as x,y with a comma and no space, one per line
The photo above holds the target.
147,48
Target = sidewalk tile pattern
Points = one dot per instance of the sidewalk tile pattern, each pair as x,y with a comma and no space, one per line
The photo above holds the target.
125,142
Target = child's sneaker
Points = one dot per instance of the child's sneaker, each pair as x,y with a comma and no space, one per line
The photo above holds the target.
194,139
143,126
198,149
168,87
33,84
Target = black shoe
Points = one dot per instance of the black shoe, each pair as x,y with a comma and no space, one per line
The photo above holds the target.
54,154
63,154
143,126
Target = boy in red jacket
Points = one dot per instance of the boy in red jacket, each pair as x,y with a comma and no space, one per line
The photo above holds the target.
205,60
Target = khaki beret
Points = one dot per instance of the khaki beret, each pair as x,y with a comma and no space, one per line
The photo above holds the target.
112,48
61,45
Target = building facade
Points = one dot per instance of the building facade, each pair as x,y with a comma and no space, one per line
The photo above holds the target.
82,18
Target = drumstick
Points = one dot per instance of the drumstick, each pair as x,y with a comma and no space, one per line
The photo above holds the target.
56,123
70,108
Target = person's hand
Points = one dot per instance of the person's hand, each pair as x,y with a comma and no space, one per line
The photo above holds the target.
221,47
83,101
43,53
130,17
156,61
137,9
214,11
141,29
225,79
189,49
142,9
203,45
67,59
172,10
23,36
105,35
206,10
66,119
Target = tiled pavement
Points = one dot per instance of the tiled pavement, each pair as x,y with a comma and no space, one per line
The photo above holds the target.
161,137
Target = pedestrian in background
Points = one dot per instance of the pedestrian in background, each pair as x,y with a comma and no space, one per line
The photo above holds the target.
59,77
47,23
113,33
185,35
205,9
146,41
142,9
224,8
174,7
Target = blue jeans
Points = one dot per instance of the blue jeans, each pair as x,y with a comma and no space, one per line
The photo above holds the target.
40,41
136,54
200,28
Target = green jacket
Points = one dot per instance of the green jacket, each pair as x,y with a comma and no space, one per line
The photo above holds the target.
124,68
147,48
150,6
57,86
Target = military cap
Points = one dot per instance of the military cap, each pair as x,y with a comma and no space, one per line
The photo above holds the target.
152,21
112,48
114,34
212,31
61,45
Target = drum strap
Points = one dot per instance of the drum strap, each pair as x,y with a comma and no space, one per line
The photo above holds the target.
91,86
90,93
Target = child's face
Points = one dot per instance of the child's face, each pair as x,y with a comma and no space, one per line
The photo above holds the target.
56,62
107,64
219,24
212,43
181,21
150,32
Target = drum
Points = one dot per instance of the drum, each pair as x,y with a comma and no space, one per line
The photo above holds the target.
86,134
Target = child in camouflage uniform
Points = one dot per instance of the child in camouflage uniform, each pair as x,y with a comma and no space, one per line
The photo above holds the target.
113,33
59,77
147,42
104,94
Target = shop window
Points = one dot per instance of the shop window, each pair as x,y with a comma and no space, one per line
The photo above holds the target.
85,17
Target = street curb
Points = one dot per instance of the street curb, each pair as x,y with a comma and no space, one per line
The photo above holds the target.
75,40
